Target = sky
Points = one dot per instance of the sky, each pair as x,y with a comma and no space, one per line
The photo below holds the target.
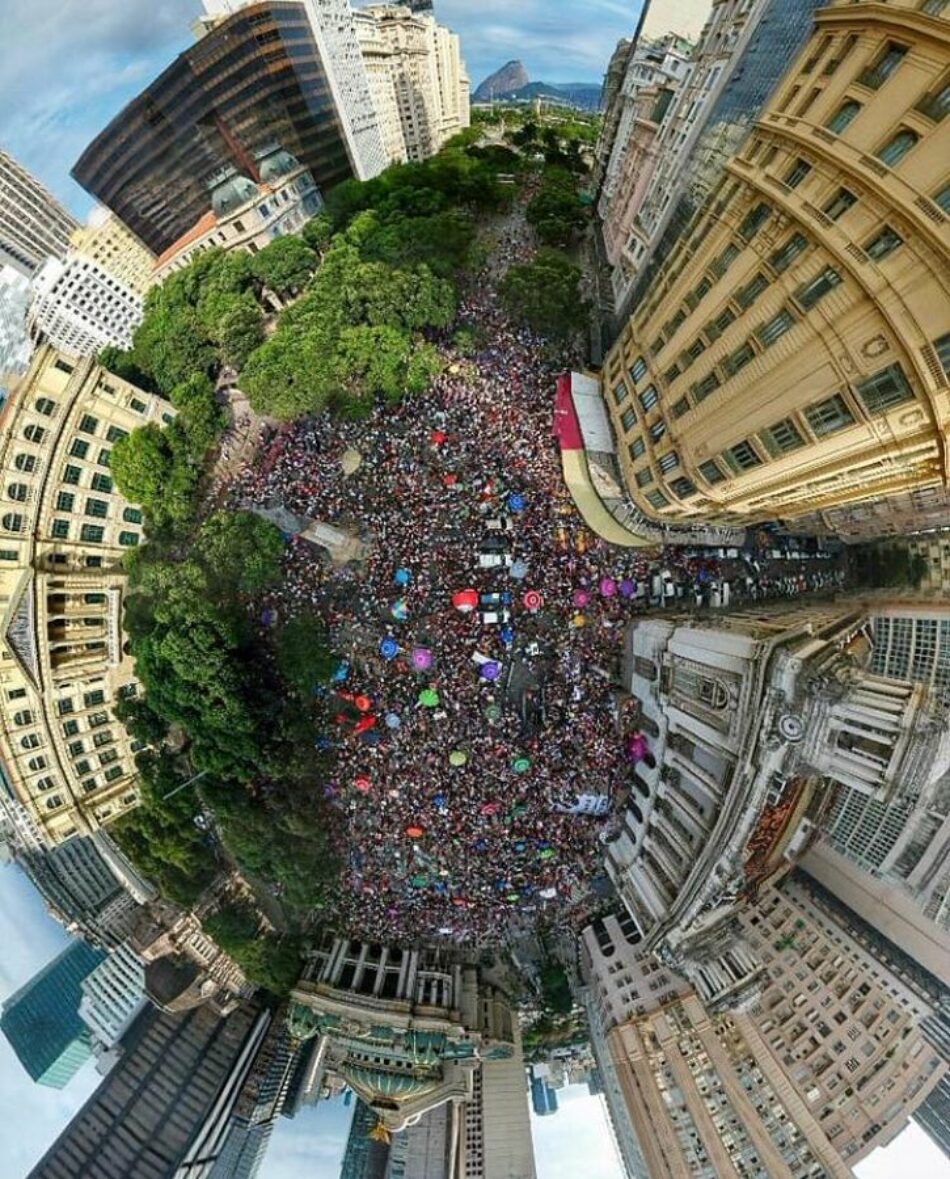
68,66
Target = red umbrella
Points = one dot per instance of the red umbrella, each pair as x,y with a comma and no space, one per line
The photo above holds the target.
465,600
363,784
415,832
450,480
438,437
533,600
363,703
491,808
368,722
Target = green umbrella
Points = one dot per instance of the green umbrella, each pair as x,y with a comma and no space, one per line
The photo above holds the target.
547,853
429,698
458,757
419,881
521,764
493,712
518,810
514,896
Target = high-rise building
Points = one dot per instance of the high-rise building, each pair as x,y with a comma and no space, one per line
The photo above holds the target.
33,224
15,344
64,530
257,77
105,240
79,307
174,1084
817,271
543,1097
365,1157
41,1020
378,54
112,996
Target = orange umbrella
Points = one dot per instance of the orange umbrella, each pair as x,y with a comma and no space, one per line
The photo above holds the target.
363,703
415,832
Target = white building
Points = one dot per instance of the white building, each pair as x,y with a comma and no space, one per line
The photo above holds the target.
334,29
15,344
79,307
33,224
112,996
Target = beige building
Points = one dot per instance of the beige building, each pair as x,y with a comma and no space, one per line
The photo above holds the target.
378,57
792,353
64,530
106,240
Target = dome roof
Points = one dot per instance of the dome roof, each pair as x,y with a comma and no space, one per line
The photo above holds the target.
276,163
378,1085
231,193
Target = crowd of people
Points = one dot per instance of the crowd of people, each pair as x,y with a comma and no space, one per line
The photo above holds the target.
463,737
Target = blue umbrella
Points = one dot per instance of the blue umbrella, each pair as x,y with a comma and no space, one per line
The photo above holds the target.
393,720
507,635
389,648
403,577
342,672
517,502
519,569
440,800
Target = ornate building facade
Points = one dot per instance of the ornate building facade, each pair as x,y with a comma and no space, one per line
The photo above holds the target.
64,530
791,354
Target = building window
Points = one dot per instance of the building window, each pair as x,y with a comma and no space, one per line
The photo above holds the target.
79,448
671,373
840,203
897,147
114,772
18,492
738,360
683,487
669,461
92,533
71,475
812,292
933,7
137,406
12,522
44,406
776,327
886,63
681,407
116,434
782,438
742,457
726,258
70,728
98,508
711,471
65,501
101,482
34,434
648,398
60,529
23,718
786,255
132,515
886,242
717,326
844,116
628,419
751,291
885,389
94,698
754,220
93,562
621,393
88,424
936,105
30,741
644,477
25,462
128,539
798,172
104,457
657,430
829,416
637,448
703,388
942,348
657,499
639,369
696,295
8,555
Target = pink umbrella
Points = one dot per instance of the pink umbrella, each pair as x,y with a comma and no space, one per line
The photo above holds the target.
581,597
533,600
491,808
608,587
422,659
637,747
363,784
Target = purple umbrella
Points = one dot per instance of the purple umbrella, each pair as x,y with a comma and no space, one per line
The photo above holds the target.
608,587
491,670
581,597
422,659
628,588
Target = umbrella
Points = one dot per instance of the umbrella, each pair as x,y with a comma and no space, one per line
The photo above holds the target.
441,800
579,620
450,479
389,648
521,764
547,853
422,659
507,635
393,720
400,610
438,437
465,600
342,673
350,462
491,808
268,617
481,845
516,502
581,597
363,784
637,747
429,698
368,722
493,712
608,587
490,670
533,600
628,588
371,737
513,896
520,845
402,577
458,757
419,881
415,832
363,703
519,570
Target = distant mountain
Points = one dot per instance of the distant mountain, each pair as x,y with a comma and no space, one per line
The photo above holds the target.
511,77
511,83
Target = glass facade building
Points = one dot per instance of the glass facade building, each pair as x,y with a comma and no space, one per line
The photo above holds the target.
253,80
41,1020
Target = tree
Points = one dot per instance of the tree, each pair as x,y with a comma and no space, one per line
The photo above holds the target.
288,376
318,233
242,550
141,465
555,211
555,989
239,330
303,654
545,294
285,266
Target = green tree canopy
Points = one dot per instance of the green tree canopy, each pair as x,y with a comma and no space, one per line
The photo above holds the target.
285,265
545,294
242,550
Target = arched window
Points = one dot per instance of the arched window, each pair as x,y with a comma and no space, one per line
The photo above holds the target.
37,763
642,788
24,717
18,491
12,522
54,803
25,462
649,726
896,148
45,783
34,433
843,116
128,539
45,406
30,741
636,812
